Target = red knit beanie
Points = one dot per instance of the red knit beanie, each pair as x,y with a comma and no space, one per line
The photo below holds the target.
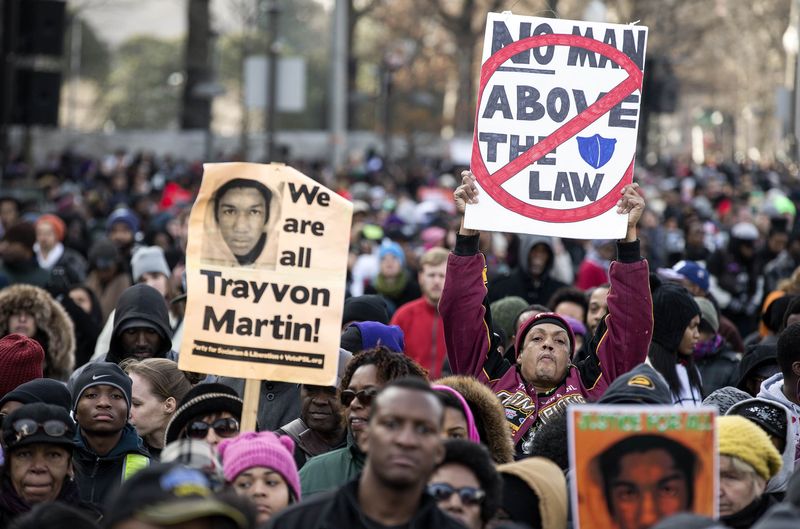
22,359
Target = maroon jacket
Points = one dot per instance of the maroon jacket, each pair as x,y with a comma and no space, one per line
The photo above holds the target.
620,343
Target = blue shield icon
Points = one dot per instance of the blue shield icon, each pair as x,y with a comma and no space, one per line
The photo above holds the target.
596,150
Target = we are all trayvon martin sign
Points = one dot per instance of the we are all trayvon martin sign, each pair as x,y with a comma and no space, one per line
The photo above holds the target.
556,124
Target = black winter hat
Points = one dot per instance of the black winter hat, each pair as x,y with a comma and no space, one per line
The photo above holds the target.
640,385
44,390
368,307
102,374
166,495
673,309
203,399
755,358
770,416
724,398
781,516
687,520
30,424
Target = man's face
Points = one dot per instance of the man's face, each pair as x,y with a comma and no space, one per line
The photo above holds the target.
241,213
403,442
22,322
691,335
38,471
46,235
459,476
357,413
571,309
431,282
545,355
320,409
140,342
121,235
102,410
537,259
598,307
737,489
649,487
9,213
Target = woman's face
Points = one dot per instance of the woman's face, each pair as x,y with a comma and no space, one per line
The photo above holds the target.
690,337
38,471
156,280
455,424
22,322
148,411
265,488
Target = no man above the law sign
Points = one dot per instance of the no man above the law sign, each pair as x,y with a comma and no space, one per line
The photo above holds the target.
556,124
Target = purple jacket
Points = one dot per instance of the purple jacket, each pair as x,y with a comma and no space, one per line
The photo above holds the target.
620,343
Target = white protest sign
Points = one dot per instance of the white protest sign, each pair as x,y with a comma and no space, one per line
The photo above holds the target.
266,266
556,124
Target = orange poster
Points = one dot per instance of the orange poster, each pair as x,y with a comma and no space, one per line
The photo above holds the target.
266,267
634,465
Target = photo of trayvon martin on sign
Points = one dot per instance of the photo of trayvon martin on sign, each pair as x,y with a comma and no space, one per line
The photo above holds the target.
266,270
556,124
635,465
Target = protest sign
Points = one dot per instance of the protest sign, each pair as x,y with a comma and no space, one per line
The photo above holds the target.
556,124
266,269
635,465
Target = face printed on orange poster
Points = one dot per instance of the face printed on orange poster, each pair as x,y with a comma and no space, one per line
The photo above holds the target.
636,465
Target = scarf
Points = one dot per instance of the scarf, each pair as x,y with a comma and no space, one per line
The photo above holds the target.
392,287
52,258
708,347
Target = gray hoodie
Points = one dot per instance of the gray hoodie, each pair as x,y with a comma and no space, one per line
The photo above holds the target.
772,389
779,481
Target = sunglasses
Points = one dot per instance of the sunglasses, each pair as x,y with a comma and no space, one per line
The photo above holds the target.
27,427
365,396
222,427
468,495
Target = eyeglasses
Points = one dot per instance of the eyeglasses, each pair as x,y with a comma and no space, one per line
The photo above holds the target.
365,396
228,427
468,495
27,427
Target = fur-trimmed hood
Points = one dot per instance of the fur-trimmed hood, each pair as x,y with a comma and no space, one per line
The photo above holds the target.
52,322
490,417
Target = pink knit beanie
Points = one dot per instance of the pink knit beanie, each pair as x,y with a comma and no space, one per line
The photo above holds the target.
262,449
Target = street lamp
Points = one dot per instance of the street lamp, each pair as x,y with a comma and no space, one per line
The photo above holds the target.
791,45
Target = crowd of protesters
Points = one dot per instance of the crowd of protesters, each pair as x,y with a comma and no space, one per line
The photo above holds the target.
461,352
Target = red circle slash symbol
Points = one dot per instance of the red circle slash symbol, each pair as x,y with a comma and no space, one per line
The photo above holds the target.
492,183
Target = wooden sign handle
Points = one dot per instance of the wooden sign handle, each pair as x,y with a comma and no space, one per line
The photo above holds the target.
252,395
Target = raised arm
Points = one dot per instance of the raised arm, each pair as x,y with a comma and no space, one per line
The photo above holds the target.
466,331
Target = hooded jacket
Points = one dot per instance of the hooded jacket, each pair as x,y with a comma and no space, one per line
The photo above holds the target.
467,326
519,281
548,482
772,389
779,481
340,508
98,476
140,302
330,471
55,331
490,417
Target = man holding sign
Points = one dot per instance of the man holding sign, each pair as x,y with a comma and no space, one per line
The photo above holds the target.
544,381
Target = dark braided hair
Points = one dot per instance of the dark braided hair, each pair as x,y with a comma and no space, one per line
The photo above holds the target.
390,365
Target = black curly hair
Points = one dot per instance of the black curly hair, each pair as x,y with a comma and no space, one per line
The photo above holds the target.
390,365
476,458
